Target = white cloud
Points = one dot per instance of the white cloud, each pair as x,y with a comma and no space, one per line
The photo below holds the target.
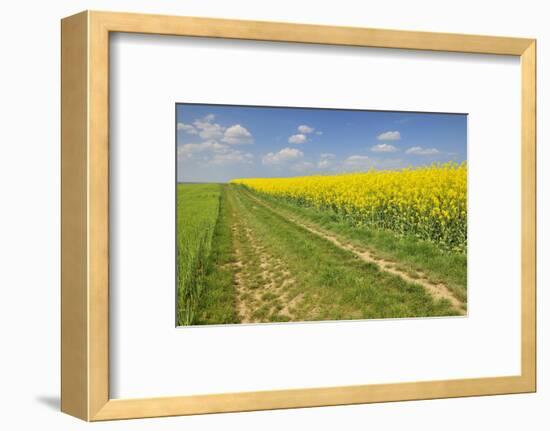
303,128
325,160
208,129
389,136
300,138
419,151
318,132
216,146
212,152
282,156
187,128
383,148
324,163
357,159
357,162
237,134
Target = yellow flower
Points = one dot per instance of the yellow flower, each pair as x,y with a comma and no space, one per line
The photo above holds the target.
428,202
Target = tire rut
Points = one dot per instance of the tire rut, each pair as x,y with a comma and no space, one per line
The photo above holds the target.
261,280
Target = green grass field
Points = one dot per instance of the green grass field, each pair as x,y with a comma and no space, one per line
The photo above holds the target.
246,258
197,213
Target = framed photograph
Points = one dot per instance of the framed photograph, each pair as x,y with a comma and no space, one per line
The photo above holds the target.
264,215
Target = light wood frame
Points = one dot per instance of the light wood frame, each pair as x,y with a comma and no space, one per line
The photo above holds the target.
85,217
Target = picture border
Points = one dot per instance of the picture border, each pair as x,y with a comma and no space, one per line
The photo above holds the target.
85,215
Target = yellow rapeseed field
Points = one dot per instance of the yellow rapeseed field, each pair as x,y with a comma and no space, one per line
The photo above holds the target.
428,202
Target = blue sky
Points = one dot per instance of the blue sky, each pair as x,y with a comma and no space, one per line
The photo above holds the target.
216,143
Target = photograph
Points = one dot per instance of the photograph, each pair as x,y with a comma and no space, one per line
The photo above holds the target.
305,214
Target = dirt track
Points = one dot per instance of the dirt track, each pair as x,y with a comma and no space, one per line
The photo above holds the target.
436,290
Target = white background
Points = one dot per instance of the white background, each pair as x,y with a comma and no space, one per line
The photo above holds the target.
150,357
29,228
